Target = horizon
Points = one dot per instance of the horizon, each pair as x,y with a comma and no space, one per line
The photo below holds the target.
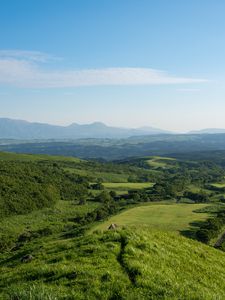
124,64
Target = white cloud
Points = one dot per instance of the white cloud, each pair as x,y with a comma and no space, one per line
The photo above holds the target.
26,55
23,69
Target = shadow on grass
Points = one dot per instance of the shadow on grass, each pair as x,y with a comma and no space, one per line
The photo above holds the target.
191,232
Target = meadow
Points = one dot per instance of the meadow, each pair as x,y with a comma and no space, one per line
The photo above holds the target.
166,217
127,185
161,162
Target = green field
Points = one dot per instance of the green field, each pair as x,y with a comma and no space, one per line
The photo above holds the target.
219,185
196,189
166,217
161,162
105,176
127,185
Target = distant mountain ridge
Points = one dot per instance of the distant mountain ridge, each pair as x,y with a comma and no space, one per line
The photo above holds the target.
208,131
20,129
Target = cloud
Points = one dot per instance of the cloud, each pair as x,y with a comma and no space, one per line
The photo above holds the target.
24,69
35,56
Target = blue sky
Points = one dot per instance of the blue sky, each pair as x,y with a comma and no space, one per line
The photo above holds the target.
127,63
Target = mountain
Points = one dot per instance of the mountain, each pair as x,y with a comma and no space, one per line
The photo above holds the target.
20,129
208,131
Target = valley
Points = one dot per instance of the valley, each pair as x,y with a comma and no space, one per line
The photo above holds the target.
56,244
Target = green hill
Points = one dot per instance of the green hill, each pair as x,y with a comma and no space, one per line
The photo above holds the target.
124,264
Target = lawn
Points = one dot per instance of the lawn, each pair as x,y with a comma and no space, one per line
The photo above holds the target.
166,217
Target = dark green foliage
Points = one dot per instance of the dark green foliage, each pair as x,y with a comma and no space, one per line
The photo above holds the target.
111,149
211,228
25,187
197,197
28,186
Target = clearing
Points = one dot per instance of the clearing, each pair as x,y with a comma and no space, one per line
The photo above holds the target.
166,217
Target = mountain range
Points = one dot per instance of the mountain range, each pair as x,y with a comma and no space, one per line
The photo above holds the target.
20,129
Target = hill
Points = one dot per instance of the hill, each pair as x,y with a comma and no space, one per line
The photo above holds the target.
208,131
114,149
126,264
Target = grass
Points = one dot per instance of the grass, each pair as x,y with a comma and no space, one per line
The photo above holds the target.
145,260
167,217
125,264
127,185
219,185
161,162
166,266
58,219
105,176
196,189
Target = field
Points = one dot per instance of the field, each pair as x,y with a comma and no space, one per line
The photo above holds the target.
167,217
219,185
161,162
127,185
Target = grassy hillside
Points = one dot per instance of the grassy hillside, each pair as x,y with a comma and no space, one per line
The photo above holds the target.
161,162
166,217
57,252
29,185
128,264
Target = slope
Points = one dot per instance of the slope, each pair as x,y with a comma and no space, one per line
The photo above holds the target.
125,264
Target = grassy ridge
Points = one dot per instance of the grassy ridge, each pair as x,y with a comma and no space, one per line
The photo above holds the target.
128,264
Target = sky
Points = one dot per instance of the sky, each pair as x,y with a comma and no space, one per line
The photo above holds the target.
127,63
